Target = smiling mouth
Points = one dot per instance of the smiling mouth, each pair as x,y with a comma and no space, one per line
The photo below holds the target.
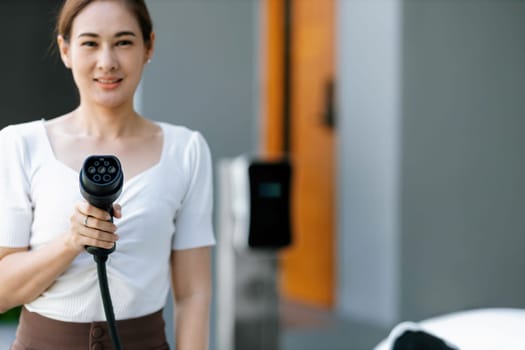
108,81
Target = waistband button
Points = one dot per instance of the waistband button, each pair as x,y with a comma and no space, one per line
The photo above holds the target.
97,332
97,346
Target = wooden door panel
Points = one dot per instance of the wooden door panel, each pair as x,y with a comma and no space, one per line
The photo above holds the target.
308,265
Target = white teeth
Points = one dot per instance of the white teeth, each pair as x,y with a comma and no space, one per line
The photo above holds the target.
108,81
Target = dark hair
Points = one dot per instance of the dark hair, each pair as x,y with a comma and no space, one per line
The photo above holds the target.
71,8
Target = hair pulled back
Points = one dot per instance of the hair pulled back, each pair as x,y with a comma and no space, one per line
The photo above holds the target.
71,8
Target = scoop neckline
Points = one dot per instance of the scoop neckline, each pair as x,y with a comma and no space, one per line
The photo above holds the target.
140,174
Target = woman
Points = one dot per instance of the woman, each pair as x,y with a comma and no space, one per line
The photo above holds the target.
163,219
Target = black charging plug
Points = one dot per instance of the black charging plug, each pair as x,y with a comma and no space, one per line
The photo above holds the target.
101,181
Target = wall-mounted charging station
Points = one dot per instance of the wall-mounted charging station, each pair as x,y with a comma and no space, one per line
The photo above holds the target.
254,224
260,192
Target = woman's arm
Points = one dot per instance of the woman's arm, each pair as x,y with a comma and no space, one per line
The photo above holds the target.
191,280
26,274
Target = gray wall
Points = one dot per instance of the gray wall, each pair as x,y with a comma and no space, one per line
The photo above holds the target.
431,157
463,166
204,75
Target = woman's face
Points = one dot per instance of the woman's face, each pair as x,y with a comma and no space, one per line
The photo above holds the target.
106,53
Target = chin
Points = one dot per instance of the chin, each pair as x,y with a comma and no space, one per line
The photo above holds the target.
112,102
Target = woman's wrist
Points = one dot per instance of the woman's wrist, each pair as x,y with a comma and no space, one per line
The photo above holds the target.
70,246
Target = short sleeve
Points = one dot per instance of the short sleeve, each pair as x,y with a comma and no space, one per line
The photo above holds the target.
15,205
193,222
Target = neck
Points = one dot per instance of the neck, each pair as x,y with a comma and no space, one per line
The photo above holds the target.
106,123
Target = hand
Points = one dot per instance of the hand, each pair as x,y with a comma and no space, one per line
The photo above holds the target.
91,226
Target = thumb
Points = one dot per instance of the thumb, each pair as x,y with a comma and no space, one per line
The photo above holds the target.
117,211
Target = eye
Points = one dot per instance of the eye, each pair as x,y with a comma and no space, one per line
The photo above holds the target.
124,43
89,43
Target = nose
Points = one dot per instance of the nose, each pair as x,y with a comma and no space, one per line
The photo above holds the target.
107,60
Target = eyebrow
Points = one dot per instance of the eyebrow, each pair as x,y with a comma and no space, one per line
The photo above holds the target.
118,35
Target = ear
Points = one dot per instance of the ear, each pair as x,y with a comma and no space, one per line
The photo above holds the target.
63,47
151,49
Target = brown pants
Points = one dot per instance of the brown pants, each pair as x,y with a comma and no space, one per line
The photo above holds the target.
36,332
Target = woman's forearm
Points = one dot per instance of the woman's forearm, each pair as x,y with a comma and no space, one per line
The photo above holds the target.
24,275
27,274
192,323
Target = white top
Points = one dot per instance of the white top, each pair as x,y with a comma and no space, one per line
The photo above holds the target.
167,206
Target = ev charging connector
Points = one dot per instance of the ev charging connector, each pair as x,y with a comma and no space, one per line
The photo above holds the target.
101,181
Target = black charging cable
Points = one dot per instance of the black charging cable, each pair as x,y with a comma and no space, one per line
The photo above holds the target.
101,181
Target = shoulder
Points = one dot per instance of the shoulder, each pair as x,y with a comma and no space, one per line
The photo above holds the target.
21,131
177,133
181,137
186,149
18,142
15,135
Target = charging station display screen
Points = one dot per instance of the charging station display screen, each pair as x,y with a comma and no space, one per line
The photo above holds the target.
270,190
270,205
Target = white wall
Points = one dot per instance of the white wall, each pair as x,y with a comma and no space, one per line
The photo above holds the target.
369,102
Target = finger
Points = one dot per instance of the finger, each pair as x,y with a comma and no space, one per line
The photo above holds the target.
97,235
78,219
101,225
87,241
98,224
90,210
81,220
82,236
